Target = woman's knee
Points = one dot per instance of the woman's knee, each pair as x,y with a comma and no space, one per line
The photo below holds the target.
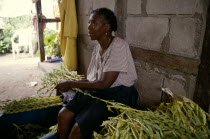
64,113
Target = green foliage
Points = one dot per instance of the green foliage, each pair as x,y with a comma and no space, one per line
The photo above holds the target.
5,40
18,22
16,39
11,24
52,46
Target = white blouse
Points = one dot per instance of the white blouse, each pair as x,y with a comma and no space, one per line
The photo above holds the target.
118,58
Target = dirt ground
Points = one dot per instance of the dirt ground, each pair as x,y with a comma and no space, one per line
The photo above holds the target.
19,78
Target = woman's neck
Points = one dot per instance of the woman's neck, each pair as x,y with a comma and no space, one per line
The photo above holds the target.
105,42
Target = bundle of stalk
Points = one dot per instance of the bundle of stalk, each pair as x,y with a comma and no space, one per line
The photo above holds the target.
181,118
188,114
50,79
31,103
30,131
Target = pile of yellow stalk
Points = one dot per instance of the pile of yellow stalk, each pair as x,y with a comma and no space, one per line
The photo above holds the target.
50,79
179,119
31,103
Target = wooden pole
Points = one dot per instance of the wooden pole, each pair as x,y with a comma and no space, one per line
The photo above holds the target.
40,30
202,90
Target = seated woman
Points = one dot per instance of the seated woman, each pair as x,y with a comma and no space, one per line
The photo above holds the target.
111,75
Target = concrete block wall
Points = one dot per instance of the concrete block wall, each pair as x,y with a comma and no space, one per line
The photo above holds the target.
165,38
147,32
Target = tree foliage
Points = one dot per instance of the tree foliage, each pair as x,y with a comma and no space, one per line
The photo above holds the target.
9,27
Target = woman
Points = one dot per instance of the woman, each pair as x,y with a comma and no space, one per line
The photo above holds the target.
111,75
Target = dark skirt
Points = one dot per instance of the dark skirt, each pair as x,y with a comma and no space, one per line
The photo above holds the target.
90,112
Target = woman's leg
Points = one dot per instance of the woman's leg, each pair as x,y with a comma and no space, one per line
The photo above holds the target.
65,118
75,132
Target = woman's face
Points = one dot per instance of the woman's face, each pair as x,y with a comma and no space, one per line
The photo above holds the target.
96,27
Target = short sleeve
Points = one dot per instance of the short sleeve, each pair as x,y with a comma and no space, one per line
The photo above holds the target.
117,60
91,72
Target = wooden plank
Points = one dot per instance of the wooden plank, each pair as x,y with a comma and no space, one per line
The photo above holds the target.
202,90
121,15
49,20
183,64
40,30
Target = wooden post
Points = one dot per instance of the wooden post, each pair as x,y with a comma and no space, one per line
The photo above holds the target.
202,90
40,30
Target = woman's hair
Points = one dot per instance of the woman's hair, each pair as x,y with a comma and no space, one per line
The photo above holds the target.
108,15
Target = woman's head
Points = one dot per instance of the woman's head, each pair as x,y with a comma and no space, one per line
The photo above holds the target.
109,17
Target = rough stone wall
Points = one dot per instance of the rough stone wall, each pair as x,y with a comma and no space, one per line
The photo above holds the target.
165,37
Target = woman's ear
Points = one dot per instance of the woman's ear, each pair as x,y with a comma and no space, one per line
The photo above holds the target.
108,27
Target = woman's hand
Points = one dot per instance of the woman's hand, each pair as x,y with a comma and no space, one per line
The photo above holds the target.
108,79
63,86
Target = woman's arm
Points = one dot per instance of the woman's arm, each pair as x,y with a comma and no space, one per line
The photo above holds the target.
106,82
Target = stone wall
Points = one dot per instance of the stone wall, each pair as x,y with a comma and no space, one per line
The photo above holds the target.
165,38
